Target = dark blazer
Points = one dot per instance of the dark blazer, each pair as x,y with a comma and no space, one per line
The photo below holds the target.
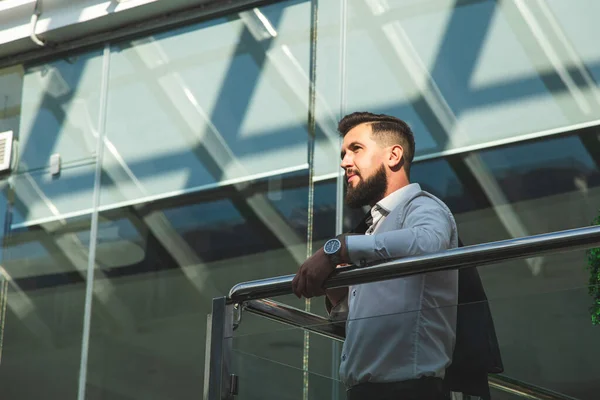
476,351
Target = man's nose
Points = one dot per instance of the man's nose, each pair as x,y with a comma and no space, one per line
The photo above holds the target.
346,162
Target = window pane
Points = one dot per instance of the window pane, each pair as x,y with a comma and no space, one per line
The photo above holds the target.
60,111
165,261
443,67
222,100
11,82
59,116
45,268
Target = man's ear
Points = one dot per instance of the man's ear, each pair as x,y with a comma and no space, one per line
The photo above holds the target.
395,157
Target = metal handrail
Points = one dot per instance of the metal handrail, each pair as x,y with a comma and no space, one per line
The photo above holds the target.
477,255
524,390
297,318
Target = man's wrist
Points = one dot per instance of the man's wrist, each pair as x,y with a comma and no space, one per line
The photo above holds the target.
344,254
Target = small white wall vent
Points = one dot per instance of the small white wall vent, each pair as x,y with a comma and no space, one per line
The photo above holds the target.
6,142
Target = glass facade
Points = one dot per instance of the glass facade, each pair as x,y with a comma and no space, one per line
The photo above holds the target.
207,155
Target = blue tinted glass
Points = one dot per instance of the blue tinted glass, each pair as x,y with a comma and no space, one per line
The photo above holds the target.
543,168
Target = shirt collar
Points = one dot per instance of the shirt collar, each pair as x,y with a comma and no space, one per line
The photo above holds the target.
395,199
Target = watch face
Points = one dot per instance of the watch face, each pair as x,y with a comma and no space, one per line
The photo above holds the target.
332,246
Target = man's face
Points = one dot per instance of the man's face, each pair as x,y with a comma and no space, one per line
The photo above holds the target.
362,160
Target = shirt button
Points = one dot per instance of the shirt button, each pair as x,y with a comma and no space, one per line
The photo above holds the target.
354,292
343,357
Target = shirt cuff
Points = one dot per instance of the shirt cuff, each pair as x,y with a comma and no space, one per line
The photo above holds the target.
339,312
360,248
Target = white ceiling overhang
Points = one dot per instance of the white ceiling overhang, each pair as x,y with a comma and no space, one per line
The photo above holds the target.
68,24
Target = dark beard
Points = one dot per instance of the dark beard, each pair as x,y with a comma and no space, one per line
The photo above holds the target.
369,191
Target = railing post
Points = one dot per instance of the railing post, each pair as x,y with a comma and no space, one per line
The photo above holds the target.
219,382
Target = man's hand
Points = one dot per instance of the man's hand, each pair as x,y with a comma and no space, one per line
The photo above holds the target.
309,280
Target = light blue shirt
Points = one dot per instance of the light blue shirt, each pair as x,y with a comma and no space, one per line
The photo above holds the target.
404,328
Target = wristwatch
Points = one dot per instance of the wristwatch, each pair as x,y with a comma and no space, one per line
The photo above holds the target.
333,248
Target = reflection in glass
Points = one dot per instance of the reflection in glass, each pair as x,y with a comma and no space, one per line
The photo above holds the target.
442,67
545,333
167,259
59,115
577,24
44,266
544,168
231,109
46,238
60,111
42,197
11,82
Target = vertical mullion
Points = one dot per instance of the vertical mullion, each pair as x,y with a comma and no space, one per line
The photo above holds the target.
312,127
339,201
89,281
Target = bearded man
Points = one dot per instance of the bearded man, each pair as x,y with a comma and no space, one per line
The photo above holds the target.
400,333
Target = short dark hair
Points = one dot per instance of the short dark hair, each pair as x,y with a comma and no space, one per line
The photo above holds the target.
387,130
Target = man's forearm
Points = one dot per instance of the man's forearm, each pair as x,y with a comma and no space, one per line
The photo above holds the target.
338,294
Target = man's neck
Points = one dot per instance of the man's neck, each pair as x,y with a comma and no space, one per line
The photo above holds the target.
390,189
394,186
